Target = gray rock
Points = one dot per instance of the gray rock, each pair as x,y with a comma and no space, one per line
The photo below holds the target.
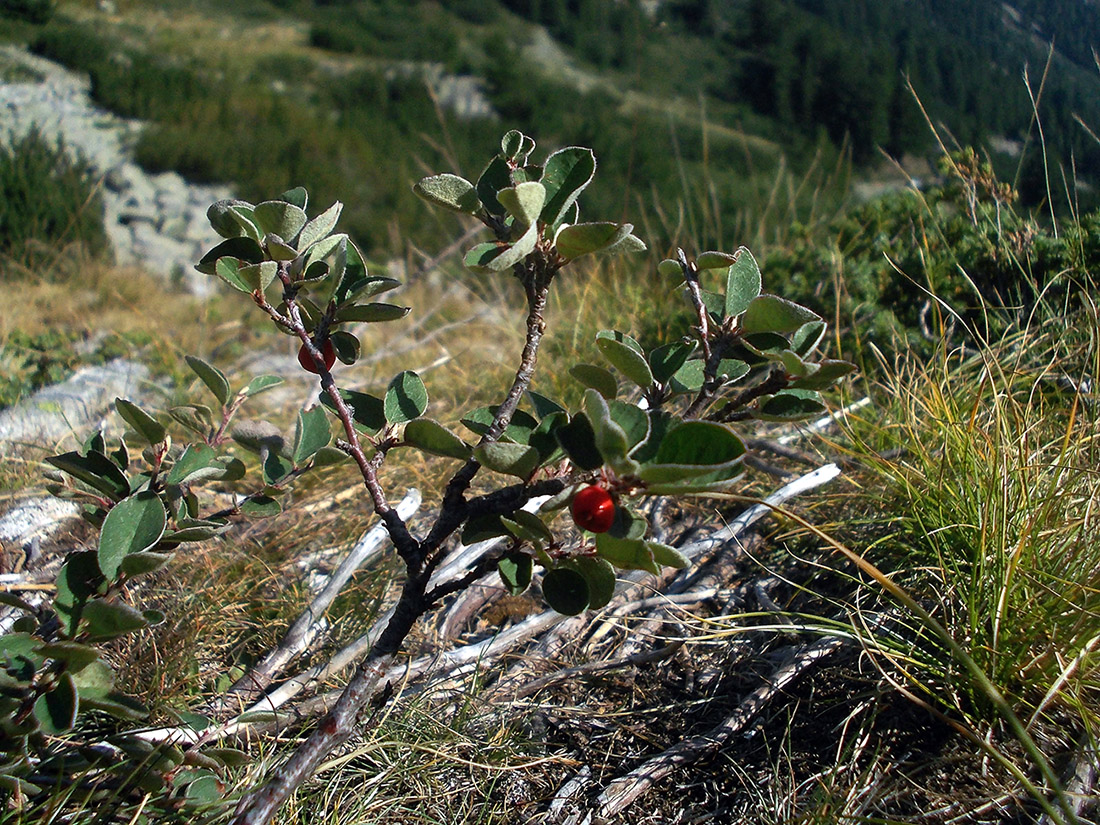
73,406
56,101
35,518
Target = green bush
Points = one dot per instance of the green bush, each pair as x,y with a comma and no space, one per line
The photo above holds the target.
961,241
32,11
46,196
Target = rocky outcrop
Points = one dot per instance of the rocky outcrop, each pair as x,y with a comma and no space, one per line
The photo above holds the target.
154,221
73,406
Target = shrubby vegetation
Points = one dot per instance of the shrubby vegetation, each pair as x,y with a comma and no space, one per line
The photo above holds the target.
913,263
47,199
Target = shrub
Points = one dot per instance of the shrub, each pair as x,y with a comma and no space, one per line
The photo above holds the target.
653,422
47,196
32,11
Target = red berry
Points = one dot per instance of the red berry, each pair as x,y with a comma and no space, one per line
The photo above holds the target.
328,352
593,509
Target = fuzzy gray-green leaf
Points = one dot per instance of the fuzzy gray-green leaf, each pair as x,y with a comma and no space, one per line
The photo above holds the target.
449,191
132,526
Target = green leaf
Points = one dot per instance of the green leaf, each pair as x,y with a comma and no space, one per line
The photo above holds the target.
700,443
625,355
828,373
370,313
78,580
75,655
626,553
213,377
353,275
565,175
276,468
95,680
406,398
496,176
197,462
610,438
329,457
665,361
144,424
688,378
670,268
229,270
310,434
733,369
808,336
790,405
543,437
244,215
573,241
543,406
108,620
368,287
715,260
11,600
258,276
297,196
742,283
261,507
432,437
450,192
222,218
795,366
519,429
17,786
278,249
599,575
134,525
56,710
515,571
479,257
524,201
625,244
667,556
518,460
565,590
261,383
230,757
95,470
628,524
320,226
483,528
118,705
242,250
139,564
346,345
760,348
528,527
94,443
597,378
516,146
715,302
579,442
633,420
509,256
367,411
696,456
770,313
279,218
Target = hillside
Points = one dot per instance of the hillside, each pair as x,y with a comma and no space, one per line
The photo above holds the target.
668,94
598,526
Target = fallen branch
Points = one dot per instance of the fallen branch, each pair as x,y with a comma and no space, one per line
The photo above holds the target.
308,626
622,792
